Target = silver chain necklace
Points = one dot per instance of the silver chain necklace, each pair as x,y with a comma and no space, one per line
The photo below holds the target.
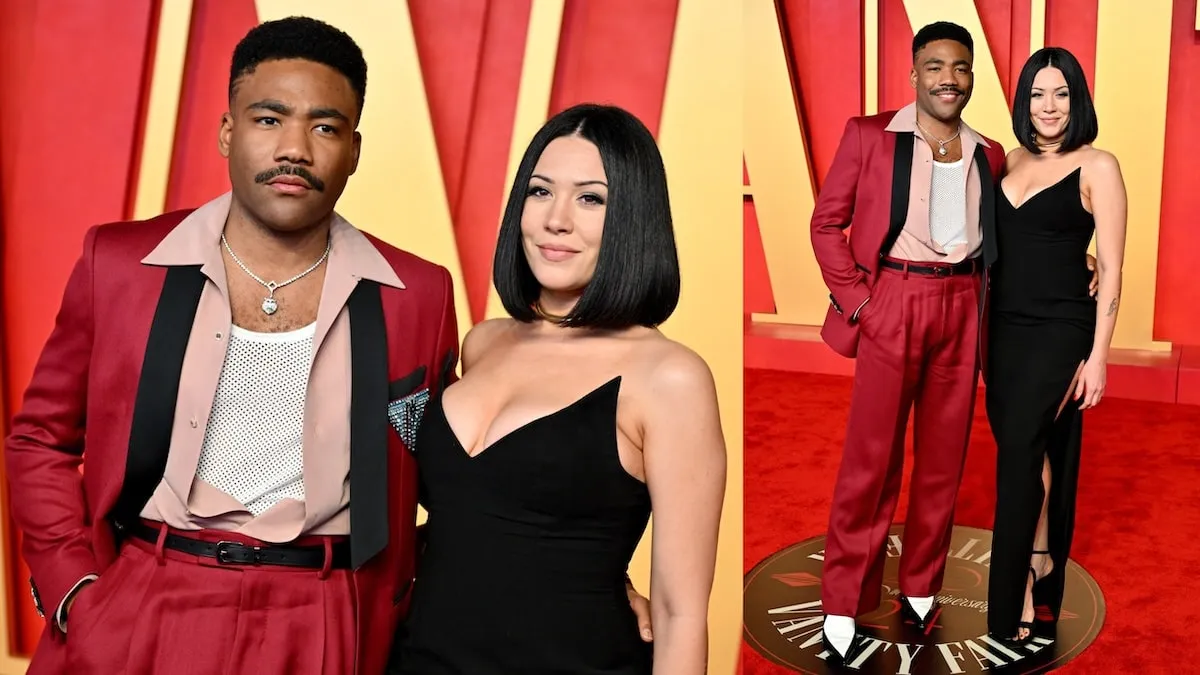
269,304
940,142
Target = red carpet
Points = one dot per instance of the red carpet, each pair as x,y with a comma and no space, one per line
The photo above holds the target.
1137,527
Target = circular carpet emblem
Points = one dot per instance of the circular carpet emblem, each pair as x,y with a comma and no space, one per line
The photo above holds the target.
783,617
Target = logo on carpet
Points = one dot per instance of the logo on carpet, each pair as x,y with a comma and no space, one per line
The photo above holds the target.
783,616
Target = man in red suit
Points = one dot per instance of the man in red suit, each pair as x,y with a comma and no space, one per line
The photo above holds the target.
246,379
908,289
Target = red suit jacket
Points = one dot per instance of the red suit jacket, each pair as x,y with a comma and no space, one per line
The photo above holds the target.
105,384
867,190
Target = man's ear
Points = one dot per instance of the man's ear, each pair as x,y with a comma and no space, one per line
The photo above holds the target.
225,134
357,151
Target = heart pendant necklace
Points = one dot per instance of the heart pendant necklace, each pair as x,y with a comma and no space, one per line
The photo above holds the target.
269,304
941,144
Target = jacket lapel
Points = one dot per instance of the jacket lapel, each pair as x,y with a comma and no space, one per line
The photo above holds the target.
368,423
987,207
902,160
158,389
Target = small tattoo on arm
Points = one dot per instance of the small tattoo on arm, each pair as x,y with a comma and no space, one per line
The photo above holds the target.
1112,307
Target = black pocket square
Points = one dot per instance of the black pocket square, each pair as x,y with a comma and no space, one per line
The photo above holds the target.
407,384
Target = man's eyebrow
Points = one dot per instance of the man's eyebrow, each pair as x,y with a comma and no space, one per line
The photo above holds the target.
272,105
283,109
327,113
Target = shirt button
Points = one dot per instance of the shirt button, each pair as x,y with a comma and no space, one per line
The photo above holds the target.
193,422
218,335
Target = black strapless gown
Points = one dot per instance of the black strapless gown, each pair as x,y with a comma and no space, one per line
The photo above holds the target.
527,547
1041,325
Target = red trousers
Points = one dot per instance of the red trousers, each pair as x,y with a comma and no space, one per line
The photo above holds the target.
167,613
918,347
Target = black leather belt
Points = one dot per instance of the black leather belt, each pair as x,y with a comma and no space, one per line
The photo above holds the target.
968,266
236,553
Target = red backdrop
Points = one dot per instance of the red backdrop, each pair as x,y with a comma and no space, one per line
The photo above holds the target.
74,82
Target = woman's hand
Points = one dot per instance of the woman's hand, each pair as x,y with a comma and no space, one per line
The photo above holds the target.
1091,383
641,609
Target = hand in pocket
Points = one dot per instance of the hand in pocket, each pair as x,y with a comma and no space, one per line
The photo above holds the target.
75,611
870,315
864,317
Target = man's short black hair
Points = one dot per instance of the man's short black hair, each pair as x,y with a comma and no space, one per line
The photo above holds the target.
300,37
942,30
636,282
1082,125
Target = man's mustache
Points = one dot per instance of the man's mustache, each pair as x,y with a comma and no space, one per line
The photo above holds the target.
290,170
948,90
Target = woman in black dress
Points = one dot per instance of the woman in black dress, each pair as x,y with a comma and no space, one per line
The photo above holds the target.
1048,336
572,419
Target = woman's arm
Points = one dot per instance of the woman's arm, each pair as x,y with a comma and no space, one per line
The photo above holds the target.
683,448
1109,206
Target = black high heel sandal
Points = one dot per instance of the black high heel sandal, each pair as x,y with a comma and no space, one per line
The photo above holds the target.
1029,625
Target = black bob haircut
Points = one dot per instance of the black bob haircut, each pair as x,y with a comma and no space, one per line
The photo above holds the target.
300,37
942,30
1082,126
636,282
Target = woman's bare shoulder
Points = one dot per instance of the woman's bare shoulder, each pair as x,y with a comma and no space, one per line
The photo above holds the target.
1099,169
671,367
484,335
1013,158
1100,161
